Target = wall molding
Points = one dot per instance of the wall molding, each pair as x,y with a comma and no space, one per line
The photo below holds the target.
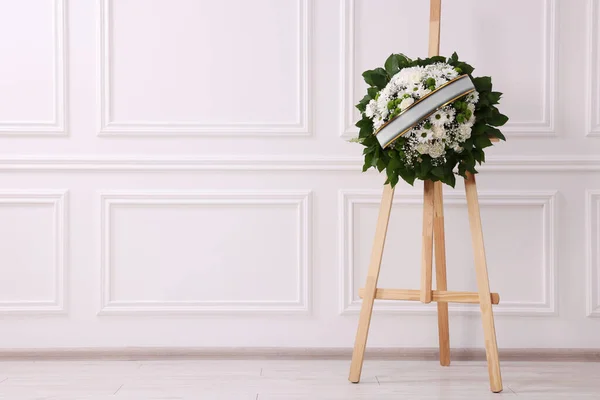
57,126
545,199
592,251
58,200
301,199
144,163
536,129
293,353
108,127
593,92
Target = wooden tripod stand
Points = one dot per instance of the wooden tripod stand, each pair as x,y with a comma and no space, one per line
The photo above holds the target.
433,226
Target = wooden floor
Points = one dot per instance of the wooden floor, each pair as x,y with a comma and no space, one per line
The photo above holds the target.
290,380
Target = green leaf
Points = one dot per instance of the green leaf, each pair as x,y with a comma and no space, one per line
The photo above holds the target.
425,167
478,154
450,180
465,68
372,92
363,122
495,133
483,141
497,119
368,150
462,170
494,97
468,144
362,104
483,84
394,180
375,159
393,164
453,59
365,126
368,162
438,172
408,175
377,77
437,59
392,65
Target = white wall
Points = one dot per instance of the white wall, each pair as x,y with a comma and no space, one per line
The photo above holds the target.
174,173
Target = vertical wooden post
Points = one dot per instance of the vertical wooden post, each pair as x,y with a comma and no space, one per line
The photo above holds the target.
440,272
435,17
426,294
483,285
435,14
366,309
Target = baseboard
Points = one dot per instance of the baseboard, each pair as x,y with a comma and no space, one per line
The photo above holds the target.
311,353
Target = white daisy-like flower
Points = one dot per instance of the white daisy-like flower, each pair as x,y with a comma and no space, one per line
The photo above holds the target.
436,150
404,104
471,120
377,123
416,76
471,107
450,73
423,135
440,81
382,109
420,91
473,97
439,118
371,109
410,75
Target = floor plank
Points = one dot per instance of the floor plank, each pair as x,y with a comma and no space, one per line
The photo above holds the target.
290,380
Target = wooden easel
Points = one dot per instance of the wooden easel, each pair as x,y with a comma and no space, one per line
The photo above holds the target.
433,226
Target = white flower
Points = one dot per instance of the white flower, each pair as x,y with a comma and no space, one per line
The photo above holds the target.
404,104
464,132
382,109
438,132
450,72
473,97
416,76
422,148
423,135
436,150
471,120
421,91
439,118
451,113
377,123
457,148
371,109
440,81
471,107
408,76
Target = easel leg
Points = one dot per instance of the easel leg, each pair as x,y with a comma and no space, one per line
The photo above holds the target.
483,284
440,272
427,246
371,286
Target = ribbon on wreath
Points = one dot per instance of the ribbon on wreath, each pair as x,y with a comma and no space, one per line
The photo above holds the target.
424,108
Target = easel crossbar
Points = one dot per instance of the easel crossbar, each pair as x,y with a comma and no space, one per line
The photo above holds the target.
441,296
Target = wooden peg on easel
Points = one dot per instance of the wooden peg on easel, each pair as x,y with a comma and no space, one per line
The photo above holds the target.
433,242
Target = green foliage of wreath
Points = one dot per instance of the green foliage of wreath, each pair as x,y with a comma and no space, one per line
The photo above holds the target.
390,159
